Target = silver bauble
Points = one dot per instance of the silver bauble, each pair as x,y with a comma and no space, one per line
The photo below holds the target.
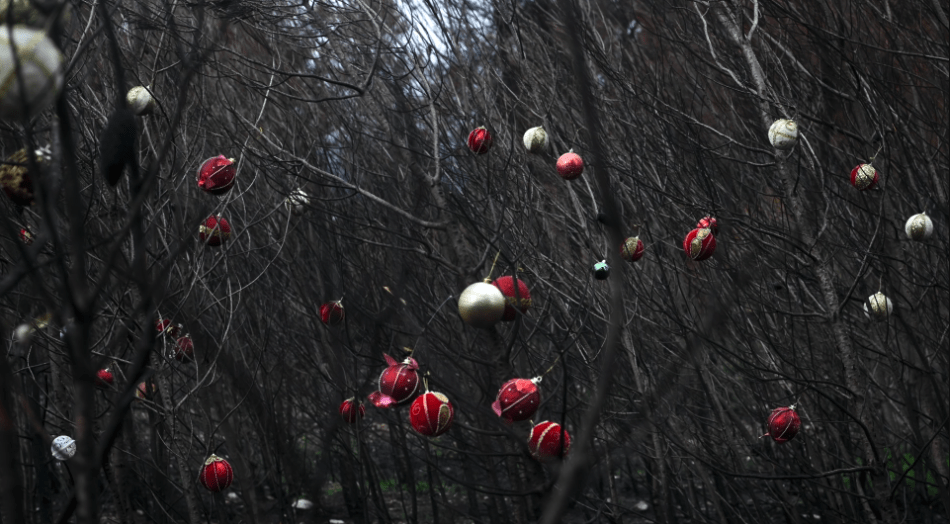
63,448
536,140
298,201
783,134
481,305
41,68
919,227
881,306
140,101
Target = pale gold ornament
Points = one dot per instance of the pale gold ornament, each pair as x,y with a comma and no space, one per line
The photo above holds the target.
536,140
140,100
881,306
298,201
41,68
783,134
919,227
481,305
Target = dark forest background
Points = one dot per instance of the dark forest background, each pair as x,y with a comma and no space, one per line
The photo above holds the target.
664,374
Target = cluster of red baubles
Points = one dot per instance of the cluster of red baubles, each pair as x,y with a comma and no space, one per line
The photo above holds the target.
216,176
184,348
517,400
569,165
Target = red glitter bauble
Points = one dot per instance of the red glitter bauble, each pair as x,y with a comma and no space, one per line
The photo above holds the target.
397,383
545,441
216,474
699,244
507,286
184,349
351,410
431,414
783,424
165,326
216,175
710,223
570,165
864,176
517,400
104,378
26,237
215,231
332,313
479,141
632,249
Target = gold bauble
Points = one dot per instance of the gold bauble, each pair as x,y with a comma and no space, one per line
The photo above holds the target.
481,305
881,306
783,134
919,227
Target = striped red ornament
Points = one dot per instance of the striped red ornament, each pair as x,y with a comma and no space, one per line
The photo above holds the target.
523,302
397,383
632,249
352,410
783,424
517,400
214,231
545,441
431,414
864,177
184,349
216,175
332,313
479,140
216,474
699,244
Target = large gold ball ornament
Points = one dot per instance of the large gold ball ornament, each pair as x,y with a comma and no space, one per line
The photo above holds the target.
41,68
783,134
919,227
881,306
140,101
536,140
481,305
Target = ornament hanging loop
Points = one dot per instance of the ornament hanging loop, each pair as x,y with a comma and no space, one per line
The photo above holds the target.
492,270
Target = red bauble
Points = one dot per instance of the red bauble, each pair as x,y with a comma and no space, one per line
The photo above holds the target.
216,474
351,410
397,383
783,424
699,244
216,175
332,313
431,414
479,141
545,441
517,400
184,349
26,237
104,378
864,176
215,231
507,286
632,249
710,223
570,165
165,326
143,392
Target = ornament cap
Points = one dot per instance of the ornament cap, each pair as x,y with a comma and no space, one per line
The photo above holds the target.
212,459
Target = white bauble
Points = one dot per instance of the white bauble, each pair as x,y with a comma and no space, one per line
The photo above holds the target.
481,305
23,333
298,201
919,227
63,448
140,101
41,66
302,504
536,140
881,306
783,134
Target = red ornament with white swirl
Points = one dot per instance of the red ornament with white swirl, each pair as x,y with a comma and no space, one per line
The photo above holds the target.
864,177
397,383
783,424
216,175
216,474
545,441
431,414
517,400
699,244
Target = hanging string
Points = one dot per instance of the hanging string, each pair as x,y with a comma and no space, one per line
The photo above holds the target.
492,270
